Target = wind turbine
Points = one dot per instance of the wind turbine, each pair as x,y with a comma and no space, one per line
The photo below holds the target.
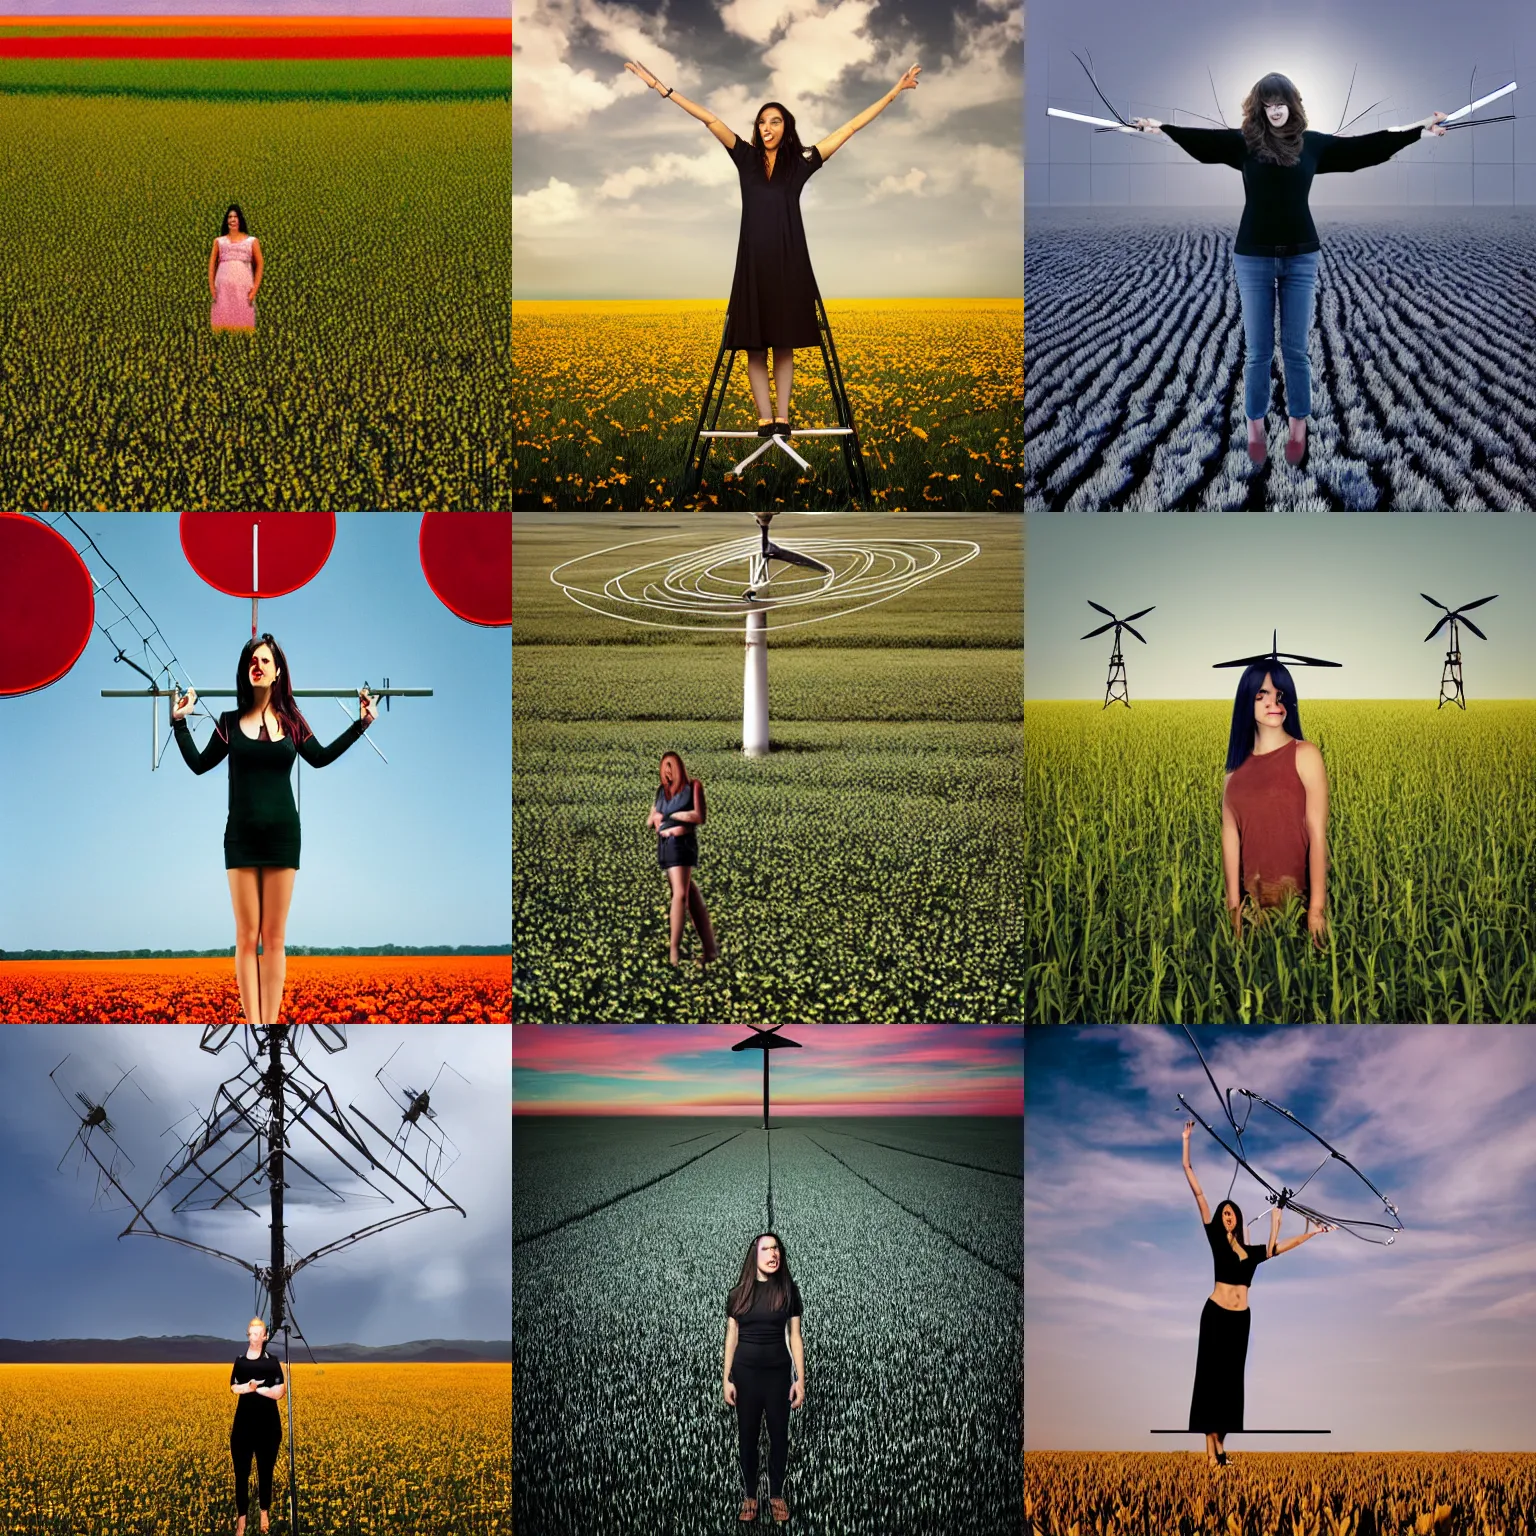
765,1040
754,685
1115,688
1451,672
1275,654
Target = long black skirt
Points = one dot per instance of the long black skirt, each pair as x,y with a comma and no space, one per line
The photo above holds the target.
1216,1405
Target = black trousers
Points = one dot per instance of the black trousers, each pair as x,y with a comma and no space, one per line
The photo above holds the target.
1216,1404
263,1437
761,1390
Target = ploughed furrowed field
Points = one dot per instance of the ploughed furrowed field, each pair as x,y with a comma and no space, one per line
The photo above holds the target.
1431,854
867,870
1409,1493
143,1450
376,376
608,396
1423,372
907,1263
318,989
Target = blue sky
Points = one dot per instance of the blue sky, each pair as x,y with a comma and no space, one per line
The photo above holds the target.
109,855
65,1274
1424,1345
1344,587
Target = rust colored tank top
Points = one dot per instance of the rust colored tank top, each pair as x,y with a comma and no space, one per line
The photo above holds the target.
1269,802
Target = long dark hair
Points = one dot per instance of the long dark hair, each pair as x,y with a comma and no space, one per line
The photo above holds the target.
778,1286
788,145
1235,1238
279,696
234,208
1240,743
1279,146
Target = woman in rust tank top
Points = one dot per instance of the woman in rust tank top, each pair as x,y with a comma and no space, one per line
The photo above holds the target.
1274,807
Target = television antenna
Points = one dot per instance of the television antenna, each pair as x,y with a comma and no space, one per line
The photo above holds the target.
1115,687
244,1143
1450,674
732,586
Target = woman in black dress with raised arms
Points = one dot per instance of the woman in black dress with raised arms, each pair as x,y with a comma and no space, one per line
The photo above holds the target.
773,294
261,738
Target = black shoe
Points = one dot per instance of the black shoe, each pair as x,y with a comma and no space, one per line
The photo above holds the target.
783,428
766,430
1221,1458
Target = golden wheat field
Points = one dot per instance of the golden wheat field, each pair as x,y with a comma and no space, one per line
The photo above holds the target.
606,396
1461,1493
143,1450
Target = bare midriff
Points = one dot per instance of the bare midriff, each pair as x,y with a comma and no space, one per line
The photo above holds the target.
1233,1297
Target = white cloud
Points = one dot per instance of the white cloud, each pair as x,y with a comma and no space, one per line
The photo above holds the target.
711,168
894,186
556,203
548,95
758,20
817,48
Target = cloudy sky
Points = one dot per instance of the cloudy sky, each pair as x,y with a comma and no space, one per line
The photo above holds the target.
413,851
1414,56
838,1070
64,1274
1424,1345
618,194
1342,588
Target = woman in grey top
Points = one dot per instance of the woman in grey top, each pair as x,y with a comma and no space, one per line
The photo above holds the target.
676,813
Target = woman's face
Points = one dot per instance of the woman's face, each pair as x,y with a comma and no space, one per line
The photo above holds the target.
768,1255
257,1334
1268,706
771,126
669,773
1228,1218
264,671
1277,112
232,222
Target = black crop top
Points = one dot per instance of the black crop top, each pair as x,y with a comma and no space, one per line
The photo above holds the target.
760,1337
250,1407
1231,1270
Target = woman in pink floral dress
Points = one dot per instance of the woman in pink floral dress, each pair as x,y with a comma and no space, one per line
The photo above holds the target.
234,275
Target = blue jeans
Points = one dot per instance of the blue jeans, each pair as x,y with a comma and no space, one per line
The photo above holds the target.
1257,279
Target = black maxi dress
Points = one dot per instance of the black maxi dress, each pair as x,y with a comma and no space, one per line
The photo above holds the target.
1216,1404
774,293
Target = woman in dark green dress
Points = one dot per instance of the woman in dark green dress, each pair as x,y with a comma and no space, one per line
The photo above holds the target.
261,738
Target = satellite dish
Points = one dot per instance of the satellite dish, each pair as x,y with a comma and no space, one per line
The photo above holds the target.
467,560
47,604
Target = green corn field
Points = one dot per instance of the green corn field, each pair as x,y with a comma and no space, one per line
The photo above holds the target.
1431,898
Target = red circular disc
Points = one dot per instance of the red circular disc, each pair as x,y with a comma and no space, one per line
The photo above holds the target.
467,560
47,604
288,549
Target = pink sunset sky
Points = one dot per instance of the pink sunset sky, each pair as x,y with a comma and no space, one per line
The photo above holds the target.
841,1069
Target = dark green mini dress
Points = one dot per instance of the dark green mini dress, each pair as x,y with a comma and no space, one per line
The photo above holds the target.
263,825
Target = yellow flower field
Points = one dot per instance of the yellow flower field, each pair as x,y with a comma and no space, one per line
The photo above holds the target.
606,396
143,1450
1409,1493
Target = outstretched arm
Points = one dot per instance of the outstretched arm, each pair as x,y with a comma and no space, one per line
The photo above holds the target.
1211,146
1312,1231
1194,1183
703,114
834,141
1356,151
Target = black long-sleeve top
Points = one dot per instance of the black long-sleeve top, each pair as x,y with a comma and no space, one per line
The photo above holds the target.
250,1407
1276,220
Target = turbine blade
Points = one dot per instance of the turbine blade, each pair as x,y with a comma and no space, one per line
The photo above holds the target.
1101,609
793,558
1439,625
1137,633
1099,631
1478,604
1137,614
1243,661
1307,661
1473,627
1435,600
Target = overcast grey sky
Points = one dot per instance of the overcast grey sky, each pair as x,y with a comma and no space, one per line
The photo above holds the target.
64,1274
1343,587
618,194
1419,1346
1416,56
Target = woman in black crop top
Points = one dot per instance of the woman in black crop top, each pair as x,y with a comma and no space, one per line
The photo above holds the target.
1277,244
762,1331
257,1379
1216,1405
261,738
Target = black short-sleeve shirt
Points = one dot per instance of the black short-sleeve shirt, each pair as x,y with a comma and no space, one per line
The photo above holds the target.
1231,1270
773,292
266,1372
761,1333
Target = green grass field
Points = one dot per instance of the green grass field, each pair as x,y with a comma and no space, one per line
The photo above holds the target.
1431,885
867,870
377,375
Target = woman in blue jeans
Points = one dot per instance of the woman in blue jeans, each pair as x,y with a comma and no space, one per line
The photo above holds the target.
1277,245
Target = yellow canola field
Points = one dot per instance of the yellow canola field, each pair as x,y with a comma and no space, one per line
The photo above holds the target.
143,1450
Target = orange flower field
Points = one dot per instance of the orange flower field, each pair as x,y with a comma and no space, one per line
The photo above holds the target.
319,989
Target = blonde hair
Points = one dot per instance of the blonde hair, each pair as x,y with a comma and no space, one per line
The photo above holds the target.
257,1322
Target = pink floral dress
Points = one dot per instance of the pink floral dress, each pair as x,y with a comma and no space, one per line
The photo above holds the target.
232,279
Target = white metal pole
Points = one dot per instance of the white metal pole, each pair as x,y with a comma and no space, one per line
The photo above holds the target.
754,685
255,577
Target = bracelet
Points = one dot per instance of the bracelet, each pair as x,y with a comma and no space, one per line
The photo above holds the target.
668,91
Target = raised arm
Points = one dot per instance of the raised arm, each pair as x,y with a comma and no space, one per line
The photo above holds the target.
1274,1233
1313,1230
834,141
703,114
1194,1183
